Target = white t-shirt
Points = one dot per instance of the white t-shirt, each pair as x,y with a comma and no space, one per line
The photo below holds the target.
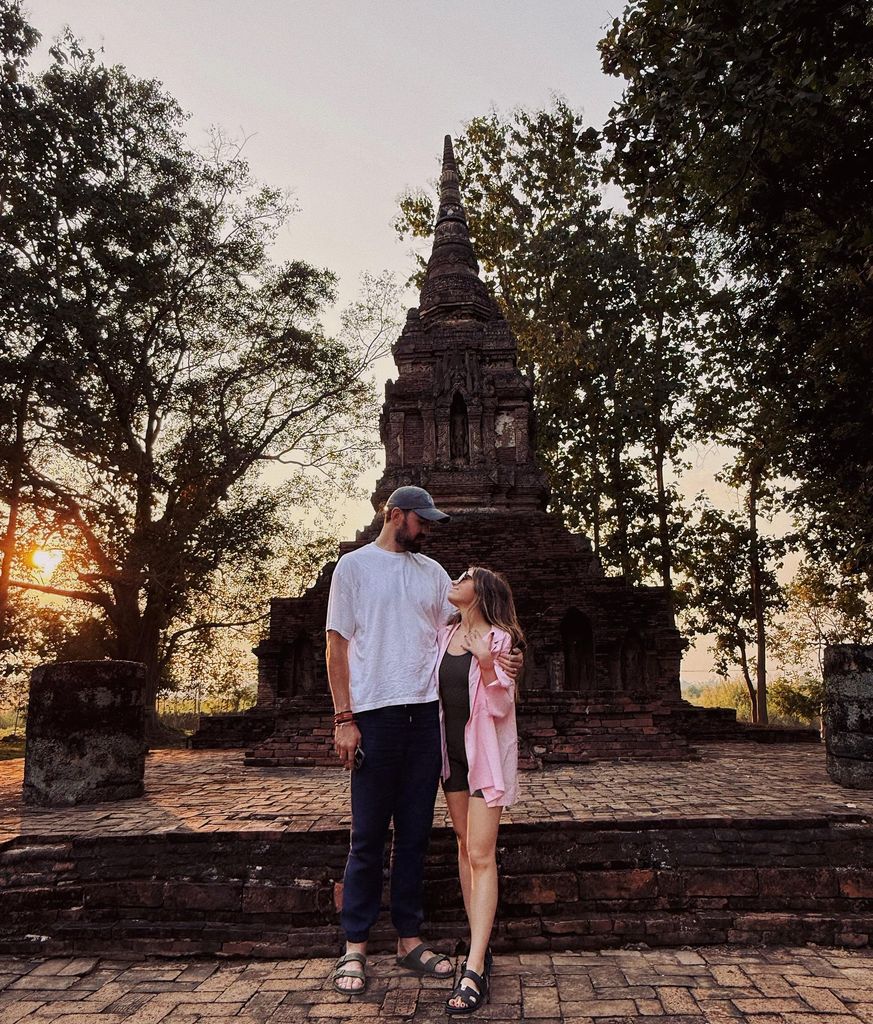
389,606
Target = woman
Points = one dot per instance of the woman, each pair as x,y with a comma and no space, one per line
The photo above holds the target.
480,754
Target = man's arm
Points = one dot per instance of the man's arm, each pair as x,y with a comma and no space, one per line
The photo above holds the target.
511,662
346,737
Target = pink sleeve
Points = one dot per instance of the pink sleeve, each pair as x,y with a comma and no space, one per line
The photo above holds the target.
500,695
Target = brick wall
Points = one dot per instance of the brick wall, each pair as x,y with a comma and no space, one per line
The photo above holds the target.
564,885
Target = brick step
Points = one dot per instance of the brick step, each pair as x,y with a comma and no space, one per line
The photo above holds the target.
594,931
562,885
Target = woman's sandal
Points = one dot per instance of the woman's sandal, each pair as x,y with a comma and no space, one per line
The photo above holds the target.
471,998
342,970
414,961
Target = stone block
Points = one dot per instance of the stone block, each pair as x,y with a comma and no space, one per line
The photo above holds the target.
85,740
847,714
195,896
713,882
280,899
634,883
540,889
794,884
856,883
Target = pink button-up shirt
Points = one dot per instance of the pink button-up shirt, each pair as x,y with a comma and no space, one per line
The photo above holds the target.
490,736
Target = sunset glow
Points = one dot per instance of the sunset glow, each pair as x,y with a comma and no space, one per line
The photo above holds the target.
46,560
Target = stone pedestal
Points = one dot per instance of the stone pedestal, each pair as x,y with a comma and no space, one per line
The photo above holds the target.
847,715
85,733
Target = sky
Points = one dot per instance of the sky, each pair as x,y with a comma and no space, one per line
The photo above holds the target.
346,102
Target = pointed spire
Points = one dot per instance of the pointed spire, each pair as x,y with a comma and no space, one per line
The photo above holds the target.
452,284
450,189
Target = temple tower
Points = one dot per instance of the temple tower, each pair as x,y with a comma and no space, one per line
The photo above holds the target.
459,418
459,421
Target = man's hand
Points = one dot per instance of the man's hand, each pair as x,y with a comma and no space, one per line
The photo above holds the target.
346,736
346,739
511,663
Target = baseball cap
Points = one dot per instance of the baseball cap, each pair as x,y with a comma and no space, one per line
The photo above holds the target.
417,500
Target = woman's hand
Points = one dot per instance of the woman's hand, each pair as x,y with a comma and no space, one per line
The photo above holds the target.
479,645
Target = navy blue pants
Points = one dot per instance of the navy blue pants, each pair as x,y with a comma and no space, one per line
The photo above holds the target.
398,780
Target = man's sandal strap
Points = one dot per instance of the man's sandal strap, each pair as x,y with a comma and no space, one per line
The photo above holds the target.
415,961
356,975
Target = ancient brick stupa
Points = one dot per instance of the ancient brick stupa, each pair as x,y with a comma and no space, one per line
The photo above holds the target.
602,661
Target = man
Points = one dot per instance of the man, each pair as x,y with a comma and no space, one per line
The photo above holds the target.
386,603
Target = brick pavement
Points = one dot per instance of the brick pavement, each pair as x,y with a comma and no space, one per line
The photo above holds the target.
208,791
714,985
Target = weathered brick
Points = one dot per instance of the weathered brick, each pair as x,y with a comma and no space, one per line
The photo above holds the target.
195,896
856,883
539,889
280,899
635,883
721,882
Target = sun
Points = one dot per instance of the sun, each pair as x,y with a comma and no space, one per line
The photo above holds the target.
46,560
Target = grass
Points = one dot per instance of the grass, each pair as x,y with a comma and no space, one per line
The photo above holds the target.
11,747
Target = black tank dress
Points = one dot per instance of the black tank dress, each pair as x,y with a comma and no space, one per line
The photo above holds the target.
455,696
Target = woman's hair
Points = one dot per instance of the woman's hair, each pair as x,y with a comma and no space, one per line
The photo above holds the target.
494,598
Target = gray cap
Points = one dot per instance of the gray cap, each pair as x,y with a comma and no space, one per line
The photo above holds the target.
417,500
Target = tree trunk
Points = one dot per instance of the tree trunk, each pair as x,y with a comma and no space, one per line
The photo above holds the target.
617,480
659,456
598,493
750,686
16,470
757,591
664,534
138,634
9,541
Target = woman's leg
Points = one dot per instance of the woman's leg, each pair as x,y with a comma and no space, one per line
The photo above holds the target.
457,804
482,824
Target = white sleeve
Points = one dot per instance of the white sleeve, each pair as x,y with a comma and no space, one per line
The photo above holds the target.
446,610
341,601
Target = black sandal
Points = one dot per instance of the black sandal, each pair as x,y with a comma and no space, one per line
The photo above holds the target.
470,997
414,961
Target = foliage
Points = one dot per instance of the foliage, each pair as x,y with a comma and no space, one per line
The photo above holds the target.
140,270
37,633
718,591
205,667
793,701
749,125
606,308
726,693
797,700
822,607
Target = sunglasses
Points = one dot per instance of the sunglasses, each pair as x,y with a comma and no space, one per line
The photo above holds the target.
466,575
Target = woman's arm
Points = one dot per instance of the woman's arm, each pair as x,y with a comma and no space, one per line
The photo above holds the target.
498,685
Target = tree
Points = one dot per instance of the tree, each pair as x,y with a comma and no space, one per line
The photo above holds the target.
18,356
749,124
606,309
216,666
821,607
730,588
37,632
198,361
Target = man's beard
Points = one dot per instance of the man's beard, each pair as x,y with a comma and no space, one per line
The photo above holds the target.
408,543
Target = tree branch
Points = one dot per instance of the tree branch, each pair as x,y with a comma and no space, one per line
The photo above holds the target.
80,595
